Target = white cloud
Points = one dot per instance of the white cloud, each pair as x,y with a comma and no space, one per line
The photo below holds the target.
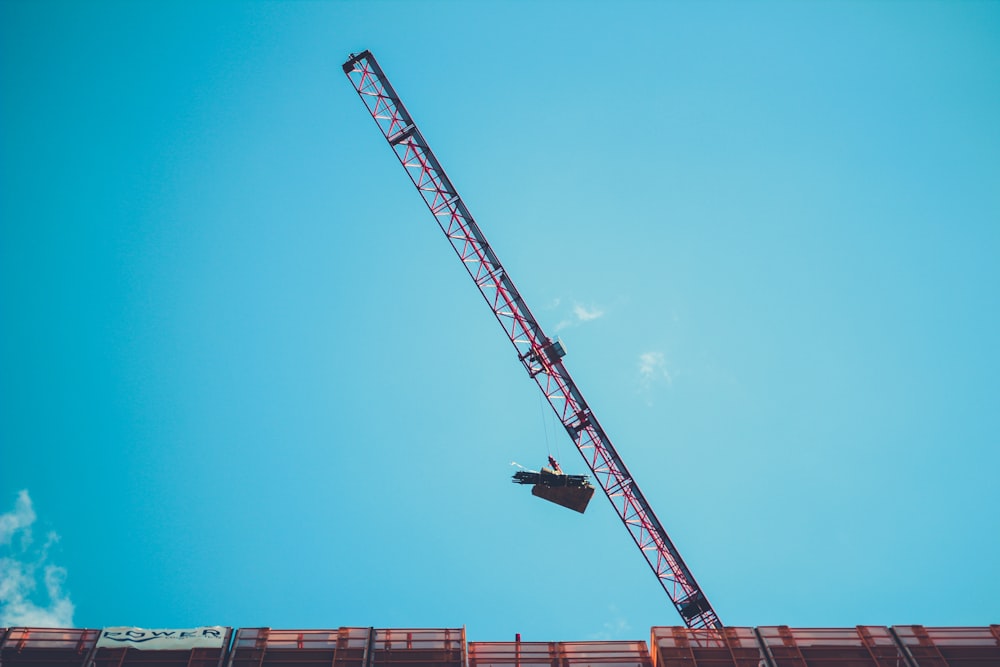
585,315
19,520
652,368
580,314
20,568
617,628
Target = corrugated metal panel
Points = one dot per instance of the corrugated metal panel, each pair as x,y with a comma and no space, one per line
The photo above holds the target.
706,647
559,654
951,647
47,647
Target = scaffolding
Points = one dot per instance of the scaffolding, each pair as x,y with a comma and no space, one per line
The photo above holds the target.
71,647
705,647
349,647
765,646
559,654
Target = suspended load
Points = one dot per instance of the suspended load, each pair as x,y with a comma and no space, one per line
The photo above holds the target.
570,491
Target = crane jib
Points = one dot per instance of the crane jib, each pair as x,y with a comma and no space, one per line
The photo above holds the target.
541,356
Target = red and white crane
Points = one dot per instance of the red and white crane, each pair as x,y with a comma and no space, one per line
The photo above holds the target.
540,355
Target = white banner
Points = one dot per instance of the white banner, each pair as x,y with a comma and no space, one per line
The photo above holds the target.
162,640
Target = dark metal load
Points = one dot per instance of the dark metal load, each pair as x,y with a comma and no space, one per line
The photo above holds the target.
570,491
550,477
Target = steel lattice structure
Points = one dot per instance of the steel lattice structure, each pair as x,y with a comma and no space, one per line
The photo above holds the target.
541,356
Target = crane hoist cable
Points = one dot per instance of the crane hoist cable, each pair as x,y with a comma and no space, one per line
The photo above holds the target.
540,355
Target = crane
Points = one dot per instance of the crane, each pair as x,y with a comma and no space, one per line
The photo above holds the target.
540,355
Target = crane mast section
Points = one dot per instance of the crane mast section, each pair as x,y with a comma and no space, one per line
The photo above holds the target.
540,356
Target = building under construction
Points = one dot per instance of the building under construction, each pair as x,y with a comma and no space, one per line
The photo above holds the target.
704,641
768,646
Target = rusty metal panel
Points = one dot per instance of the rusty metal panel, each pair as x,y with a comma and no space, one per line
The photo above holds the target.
349,647
47,647
574,498
860,646
951,647
130,657
679,646
414,647
339,647
559,654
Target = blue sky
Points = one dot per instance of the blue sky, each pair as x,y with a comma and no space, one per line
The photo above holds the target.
245,381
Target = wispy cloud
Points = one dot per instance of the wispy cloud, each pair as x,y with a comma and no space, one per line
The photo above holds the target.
581,314
586,314
616,628
21,566
653,368
18,520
